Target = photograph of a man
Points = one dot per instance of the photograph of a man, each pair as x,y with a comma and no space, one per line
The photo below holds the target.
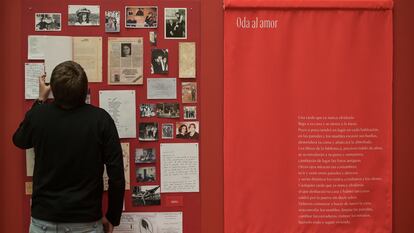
72,141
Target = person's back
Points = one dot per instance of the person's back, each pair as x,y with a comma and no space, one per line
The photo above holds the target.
72,142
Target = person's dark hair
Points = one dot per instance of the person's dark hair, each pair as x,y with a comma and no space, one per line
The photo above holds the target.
192,124
69,84
181,128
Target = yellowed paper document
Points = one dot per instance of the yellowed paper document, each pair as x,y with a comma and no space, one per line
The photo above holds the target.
87,51
187,60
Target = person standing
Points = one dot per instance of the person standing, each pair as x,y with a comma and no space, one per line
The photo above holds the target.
72,141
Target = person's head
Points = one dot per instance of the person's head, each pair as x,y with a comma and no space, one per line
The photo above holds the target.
126,50
83,18
170,21
192,127
182,129
69,84
177,14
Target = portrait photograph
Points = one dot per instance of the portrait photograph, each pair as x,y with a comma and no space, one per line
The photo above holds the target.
126,49
153,38
168,110
190,112
159,61
175,23
167,131
83,15
145,174
145,155
189,92
147,110
112,21
48,22
187,130
141,17
146,195
148,131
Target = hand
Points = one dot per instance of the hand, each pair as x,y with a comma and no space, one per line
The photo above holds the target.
108,227
44,89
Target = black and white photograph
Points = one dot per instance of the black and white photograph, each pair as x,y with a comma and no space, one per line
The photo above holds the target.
168,110
147,195
147,110
48,22
175,23
145,174
187,130
141,17
190,112
159,61
126,49
145,155
153,38
83,15
167,131
148,131
112,21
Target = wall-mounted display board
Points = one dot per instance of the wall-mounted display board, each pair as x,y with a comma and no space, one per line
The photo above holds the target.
308,122
143,64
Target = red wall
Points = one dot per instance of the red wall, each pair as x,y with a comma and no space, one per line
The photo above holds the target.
11,179
403,116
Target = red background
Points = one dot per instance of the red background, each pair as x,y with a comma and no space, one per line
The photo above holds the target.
317,62
11,169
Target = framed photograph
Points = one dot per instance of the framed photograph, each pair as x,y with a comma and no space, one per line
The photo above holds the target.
167,131
141,17
112,21
153,38
145,155
190,112
48,22
148,131
187,130
147,110
147,195
189,92
159,61
168,110
145,174
83,15
175,23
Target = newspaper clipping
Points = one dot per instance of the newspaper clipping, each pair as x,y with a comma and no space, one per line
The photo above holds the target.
125,61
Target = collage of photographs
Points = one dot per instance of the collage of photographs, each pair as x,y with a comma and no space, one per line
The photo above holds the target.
169,111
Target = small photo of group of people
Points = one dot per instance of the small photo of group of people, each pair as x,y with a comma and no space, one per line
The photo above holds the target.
189,92
112,21
83,15
190,112
168,110
48,22
141,17
175,22
148,131
145,155
147,110
167,131
145,174
187,130
146,196
159,61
